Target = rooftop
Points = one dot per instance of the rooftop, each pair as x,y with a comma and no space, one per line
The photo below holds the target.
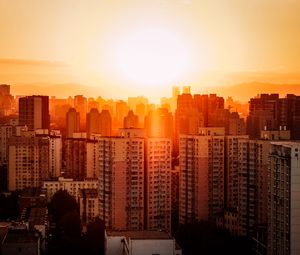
140,234
21,236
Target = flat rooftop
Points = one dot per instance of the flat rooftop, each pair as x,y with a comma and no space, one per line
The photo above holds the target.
150,235
21,236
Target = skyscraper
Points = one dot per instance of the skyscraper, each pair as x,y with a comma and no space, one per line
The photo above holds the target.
131,120
72,122
159,123
201,192
75,158
158,183
284,200
92,122
105,123
121,182
28,163
269,112
34,112
80,104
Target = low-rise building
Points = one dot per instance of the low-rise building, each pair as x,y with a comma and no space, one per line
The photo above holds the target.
73,187
140,243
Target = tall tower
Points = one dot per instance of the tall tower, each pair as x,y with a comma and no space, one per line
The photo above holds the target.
121,182
80,104
159,123
158,183
73,122
131,120
105,123
284,200
34,112
28,161
201,193
92,122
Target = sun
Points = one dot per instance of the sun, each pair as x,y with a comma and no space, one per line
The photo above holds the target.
152,57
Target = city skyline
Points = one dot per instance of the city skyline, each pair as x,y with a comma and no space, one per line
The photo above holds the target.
163,127
100,44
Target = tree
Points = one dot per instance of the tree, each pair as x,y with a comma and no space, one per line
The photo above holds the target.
62,203
94,239
66,237
205,238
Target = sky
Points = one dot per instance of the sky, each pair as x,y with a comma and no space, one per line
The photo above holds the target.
145,46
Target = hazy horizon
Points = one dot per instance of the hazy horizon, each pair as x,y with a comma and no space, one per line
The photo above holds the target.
138,47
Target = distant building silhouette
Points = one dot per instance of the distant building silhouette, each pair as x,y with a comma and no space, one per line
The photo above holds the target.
34,112
269,112
72,122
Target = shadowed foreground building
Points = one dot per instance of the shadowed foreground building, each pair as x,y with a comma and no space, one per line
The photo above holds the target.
21,242
140,243
284,199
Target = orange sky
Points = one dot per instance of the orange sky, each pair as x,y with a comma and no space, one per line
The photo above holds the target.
142,47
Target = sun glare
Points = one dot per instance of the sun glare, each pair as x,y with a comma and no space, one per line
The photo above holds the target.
152,57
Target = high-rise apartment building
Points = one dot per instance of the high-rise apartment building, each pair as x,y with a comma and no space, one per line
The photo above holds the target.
92,122
105,123
121,112
28,163
159,123
34,112
88,205
269,112
55,150
201,193
121,182
246,190
284,199
72,122
197,111
80,104
131,120
75,158
6,100
158,183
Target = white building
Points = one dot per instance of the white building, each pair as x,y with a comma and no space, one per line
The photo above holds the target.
140,243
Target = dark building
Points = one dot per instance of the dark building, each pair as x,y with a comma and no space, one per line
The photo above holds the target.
34,112
32,197
21,242
269,112
75,157
197,111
